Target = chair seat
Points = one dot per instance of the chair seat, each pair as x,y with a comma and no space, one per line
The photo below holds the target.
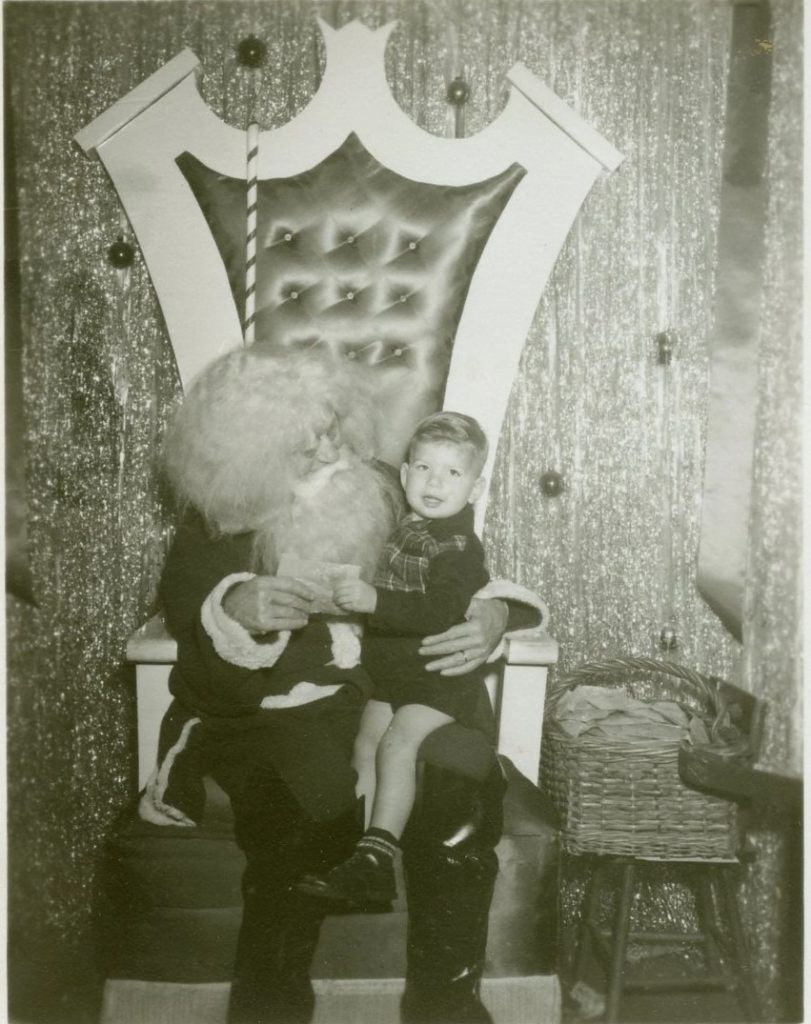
176,902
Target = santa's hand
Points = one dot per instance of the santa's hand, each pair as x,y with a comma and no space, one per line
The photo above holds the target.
468,644
355,596
266,604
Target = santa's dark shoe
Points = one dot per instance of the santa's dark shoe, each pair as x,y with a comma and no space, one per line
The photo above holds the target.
365,878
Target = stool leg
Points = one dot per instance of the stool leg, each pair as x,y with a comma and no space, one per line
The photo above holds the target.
747,994
622,929
588,920
708,919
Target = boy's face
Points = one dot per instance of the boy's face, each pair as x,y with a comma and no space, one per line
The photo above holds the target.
441,479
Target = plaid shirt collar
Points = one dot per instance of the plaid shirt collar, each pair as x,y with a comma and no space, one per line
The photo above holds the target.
441,529
406,558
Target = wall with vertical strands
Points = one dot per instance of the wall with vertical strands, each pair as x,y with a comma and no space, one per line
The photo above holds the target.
613,555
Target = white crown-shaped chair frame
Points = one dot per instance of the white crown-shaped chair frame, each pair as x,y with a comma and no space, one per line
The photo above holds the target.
138,140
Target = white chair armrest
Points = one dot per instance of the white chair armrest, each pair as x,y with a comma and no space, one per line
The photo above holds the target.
530,647
527,657
152,644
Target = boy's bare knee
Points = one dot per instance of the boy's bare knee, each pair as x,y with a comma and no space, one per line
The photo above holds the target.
398,741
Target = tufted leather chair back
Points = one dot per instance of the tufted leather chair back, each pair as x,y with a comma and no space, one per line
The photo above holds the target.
353,256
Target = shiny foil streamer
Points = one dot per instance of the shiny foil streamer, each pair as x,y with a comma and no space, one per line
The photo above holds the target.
773,666
613,555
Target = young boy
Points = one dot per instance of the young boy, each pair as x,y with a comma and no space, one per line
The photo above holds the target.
429,570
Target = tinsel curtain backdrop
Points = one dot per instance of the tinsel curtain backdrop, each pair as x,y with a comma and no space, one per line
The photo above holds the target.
613,554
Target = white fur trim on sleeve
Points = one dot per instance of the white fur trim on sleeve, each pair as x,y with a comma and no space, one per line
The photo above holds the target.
506,590
231,640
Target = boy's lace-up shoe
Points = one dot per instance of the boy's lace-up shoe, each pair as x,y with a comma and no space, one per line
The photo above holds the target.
364,878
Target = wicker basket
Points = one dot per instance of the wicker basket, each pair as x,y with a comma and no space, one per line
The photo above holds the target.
626,798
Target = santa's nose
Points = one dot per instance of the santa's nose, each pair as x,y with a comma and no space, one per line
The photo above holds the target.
326,450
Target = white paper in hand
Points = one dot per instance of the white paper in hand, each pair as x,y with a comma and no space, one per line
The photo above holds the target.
321,576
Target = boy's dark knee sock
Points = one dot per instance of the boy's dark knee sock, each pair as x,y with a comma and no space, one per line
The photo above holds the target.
379,842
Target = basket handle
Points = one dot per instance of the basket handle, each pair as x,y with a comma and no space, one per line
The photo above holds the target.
595,672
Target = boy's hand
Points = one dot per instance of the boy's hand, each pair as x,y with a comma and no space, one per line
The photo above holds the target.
355,596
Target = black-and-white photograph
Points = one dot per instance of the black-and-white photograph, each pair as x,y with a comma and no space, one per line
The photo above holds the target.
404,511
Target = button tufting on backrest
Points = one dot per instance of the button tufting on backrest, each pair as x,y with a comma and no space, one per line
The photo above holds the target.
370,264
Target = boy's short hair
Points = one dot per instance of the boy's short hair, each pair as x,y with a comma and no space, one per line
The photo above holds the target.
451,428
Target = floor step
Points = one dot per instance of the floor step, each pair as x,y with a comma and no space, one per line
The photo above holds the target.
338,1001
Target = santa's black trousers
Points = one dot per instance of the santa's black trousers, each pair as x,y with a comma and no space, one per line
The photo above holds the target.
450,868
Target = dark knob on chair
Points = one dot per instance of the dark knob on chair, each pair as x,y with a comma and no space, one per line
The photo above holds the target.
458,92
552,483
251,52
121,253
666,346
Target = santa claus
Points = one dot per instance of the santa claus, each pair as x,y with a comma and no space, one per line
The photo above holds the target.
273,459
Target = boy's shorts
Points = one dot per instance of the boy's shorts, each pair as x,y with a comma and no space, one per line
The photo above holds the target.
399,678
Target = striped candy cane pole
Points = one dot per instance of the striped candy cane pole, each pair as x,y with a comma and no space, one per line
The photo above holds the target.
250,247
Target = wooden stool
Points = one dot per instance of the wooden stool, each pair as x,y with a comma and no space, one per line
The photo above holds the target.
720,933
626,805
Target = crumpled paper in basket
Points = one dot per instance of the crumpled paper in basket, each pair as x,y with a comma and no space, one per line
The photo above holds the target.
613,715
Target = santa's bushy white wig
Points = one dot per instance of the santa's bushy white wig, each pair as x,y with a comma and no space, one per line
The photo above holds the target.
236,442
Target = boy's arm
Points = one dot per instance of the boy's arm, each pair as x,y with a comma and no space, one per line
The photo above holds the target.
454,577
469,644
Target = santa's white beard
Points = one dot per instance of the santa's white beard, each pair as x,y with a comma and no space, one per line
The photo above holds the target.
343,514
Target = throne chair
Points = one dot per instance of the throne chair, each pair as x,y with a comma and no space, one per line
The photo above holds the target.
423,258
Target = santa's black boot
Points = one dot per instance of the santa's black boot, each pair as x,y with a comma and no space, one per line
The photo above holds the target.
450,869
277,939
280,925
